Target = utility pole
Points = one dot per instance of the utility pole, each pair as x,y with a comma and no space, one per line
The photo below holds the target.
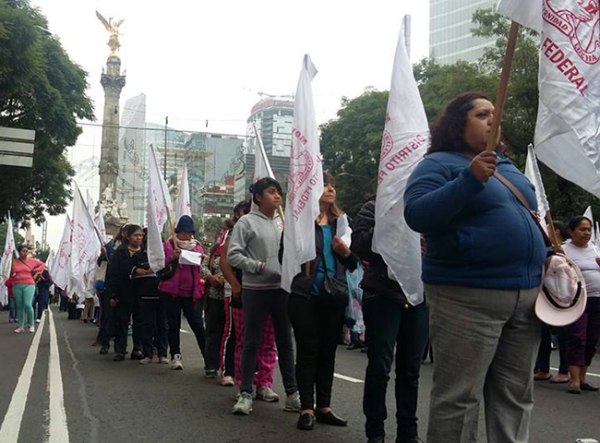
165,166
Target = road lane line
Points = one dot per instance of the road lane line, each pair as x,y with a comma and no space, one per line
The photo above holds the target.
185,332
346,378
589,373
58,429
14,415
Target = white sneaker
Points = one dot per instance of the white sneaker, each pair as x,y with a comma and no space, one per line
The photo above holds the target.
227,381
145,361
267,394
292,403
32,329
19,330
243,405
176,364
38,321
163,360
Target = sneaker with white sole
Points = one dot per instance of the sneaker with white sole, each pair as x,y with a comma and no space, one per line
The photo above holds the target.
32,329
243,405
145,361
19,330
211,373
38,320
267,394
226,381
163,360
176,364
292,403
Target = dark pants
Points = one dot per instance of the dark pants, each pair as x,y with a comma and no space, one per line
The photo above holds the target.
543,358
215,324
42,299
125,312
257,304
153,324
317,327
228,344
193,314
583,335
107,326
64,303
389,325
72,310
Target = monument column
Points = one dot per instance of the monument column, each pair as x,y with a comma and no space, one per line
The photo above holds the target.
113,82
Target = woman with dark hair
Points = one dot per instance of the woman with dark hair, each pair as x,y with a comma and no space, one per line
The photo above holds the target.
583,335
120,289
254,248
24,273
316,318
482,271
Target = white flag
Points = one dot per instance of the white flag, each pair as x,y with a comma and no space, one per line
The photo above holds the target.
99,222
305,183
567,136
588,214
85,246
89,202
532,172
60,270
184,205
9,253
159,202
405,140
262,169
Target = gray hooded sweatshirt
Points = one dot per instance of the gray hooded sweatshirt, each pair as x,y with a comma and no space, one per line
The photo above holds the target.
254,248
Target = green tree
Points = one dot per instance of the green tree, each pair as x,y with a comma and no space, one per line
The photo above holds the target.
40,89
212,227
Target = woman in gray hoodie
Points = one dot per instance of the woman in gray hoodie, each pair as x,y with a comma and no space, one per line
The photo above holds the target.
254,248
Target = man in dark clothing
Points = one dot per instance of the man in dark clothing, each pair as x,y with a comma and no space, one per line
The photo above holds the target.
390,322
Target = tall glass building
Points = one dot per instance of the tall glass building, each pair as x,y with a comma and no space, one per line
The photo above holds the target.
450,24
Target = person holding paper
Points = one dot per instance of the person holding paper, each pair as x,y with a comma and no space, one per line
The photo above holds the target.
254,248
482,271
183,290
317,318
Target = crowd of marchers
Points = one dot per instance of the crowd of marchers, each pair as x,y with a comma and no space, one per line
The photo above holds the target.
484,282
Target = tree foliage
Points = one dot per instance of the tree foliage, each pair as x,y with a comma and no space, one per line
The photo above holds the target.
40,89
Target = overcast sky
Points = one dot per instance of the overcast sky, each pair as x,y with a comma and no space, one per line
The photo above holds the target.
208,59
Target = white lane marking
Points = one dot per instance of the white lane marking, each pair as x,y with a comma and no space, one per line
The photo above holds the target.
589,373
14,415
345,377
58,429
185,332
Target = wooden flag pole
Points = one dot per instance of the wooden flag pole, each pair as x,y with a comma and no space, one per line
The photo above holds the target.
552,233
172,228
501,96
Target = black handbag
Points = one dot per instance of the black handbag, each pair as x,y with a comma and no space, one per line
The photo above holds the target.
334,291
168,271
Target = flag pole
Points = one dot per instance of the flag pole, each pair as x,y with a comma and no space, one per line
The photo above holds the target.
501,96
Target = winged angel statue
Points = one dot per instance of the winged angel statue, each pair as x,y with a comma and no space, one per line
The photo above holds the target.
113,30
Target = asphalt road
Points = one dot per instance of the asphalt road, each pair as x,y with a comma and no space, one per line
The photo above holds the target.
97,400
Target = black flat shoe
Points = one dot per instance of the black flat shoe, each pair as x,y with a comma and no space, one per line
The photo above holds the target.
104,351
137,355
329,418
588,387
119,357
306,422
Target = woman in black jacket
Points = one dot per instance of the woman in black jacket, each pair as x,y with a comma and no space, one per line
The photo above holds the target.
119,288
317,319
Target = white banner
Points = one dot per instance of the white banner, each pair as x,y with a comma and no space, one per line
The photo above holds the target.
305,184
159,201
567,136
532,172
405,141
99,222
10,252
184,204
588,213
60,270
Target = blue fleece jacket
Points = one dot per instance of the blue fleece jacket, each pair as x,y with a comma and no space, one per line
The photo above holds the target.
477,234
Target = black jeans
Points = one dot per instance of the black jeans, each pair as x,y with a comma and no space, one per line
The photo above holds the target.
389,325
215,324
317,326
42,299
153,325
193,313
543,359
107,327
123,313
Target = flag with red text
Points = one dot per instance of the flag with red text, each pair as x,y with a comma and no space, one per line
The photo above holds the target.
184,204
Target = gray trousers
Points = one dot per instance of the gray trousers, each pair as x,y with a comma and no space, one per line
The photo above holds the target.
257,303
485,343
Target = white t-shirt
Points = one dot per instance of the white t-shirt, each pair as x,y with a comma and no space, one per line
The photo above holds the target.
585,258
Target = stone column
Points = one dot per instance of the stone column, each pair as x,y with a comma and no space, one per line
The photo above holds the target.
113,82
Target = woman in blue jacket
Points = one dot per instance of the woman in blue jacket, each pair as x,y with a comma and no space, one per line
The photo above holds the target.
482,270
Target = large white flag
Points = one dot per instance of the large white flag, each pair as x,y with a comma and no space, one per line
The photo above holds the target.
305,183
532,172
61,267
159,201
405,140
99,222
184,204
85,247
6,260
567,136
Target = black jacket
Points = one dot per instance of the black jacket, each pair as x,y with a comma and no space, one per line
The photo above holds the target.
145,287
375,280
118,282
302,284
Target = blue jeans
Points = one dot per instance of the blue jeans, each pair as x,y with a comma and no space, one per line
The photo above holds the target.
12,309
42,300
390,325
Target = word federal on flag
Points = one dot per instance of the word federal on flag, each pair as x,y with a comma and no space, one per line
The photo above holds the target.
61,266
405,140
567,135
305,184
158,206
10,252
184,203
